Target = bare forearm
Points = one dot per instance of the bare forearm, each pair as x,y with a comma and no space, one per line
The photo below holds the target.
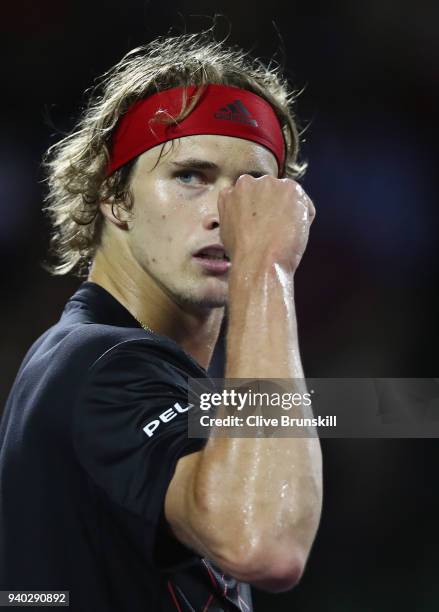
273,486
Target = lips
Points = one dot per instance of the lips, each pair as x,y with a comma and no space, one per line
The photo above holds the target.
213,251
213,259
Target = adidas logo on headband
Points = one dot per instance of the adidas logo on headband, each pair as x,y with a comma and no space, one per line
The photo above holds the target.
236,111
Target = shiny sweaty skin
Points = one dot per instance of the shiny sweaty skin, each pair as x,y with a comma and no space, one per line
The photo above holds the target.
217,190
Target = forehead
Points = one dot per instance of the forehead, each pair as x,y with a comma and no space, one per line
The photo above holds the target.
227,152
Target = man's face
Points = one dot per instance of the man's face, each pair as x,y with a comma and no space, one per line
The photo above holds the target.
176,212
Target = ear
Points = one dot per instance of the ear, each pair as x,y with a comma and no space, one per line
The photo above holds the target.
114,213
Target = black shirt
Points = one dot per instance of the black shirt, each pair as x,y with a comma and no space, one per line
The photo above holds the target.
82,485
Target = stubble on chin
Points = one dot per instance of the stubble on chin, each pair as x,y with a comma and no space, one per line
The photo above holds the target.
202,298
203,302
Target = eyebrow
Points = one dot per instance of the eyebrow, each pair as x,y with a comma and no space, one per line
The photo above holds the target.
198,164
201,164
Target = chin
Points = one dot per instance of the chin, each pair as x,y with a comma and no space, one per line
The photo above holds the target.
205,302
206,295
205,299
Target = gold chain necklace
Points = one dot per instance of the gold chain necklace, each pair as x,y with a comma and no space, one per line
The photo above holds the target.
143,325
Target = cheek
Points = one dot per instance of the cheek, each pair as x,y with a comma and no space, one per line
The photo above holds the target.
166,216
151,213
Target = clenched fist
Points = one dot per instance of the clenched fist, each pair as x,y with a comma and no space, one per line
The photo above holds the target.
265,220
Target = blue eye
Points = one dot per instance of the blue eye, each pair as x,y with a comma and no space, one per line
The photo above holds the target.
189,177
185,177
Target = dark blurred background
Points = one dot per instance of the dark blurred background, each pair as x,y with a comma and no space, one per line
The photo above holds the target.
367,288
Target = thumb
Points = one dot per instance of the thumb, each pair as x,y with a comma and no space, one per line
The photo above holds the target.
225,191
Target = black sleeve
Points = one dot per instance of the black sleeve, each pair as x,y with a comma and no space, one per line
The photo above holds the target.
126,390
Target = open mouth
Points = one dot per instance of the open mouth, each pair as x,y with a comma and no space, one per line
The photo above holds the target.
213,259
214,253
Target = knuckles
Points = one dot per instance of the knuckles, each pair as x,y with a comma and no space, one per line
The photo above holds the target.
267,180
243,180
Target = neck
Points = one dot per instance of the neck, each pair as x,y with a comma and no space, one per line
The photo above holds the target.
195,330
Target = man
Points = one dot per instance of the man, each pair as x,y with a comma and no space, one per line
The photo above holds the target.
172,194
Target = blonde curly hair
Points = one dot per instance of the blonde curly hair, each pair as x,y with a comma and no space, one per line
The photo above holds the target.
76,165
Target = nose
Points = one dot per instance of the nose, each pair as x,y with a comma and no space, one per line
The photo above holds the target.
211,221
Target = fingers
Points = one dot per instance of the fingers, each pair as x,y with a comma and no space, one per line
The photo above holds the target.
246,181
307,202
310,211
222,197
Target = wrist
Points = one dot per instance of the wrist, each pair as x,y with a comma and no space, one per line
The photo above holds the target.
250,268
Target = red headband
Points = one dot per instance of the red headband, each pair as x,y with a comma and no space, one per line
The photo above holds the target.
227,111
